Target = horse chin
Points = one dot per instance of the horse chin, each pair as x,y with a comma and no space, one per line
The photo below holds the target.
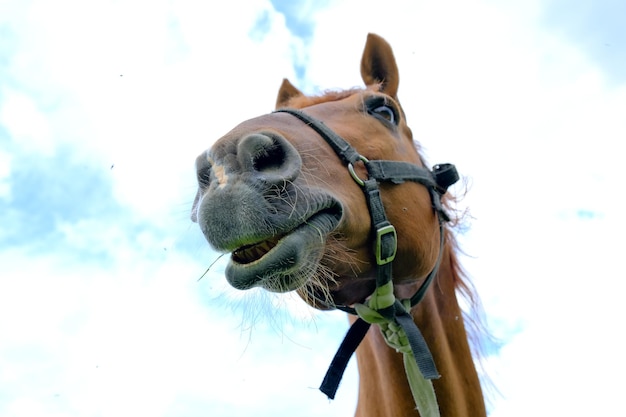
344,294
282,263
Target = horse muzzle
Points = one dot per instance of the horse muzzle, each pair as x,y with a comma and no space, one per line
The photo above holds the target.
250,203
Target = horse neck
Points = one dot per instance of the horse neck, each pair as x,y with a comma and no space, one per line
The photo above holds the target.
383,387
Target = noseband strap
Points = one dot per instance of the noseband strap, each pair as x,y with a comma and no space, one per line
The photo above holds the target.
382,308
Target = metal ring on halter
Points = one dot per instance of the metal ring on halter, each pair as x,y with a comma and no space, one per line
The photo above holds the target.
355,177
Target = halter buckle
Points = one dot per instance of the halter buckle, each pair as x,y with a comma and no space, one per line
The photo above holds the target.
378,250
355,177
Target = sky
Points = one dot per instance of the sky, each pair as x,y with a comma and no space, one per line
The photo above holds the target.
104,106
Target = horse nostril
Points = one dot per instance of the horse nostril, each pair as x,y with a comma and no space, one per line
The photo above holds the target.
204,175
269,157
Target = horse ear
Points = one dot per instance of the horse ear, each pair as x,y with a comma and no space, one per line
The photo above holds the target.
378,65
286,92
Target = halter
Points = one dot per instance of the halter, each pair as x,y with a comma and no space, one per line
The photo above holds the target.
383,308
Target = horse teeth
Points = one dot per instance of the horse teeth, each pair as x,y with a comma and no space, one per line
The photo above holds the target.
248,254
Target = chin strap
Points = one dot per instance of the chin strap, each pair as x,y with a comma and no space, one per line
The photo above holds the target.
382,308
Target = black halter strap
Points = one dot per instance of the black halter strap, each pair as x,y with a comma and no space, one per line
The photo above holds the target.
437,182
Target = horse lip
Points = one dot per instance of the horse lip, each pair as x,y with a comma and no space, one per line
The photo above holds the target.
271,262
245,253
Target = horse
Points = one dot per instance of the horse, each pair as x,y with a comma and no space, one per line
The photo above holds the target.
329,196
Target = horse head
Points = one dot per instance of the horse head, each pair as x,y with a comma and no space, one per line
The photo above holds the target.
276,196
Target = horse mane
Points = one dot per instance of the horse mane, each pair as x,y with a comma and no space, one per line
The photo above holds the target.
478,335
473,313
457,222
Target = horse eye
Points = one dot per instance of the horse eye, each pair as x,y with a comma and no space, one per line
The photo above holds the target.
386,113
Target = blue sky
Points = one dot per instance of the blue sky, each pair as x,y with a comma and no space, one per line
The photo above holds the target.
103,110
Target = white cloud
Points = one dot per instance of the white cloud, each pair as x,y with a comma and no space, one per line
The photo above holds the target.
145,86
26,123
5,172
